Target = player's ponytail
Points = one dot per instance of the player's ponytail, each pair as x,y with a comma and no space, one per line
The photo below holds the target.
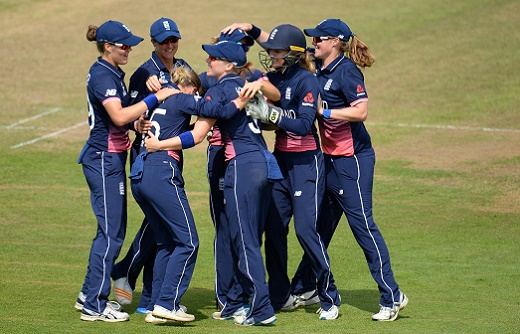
91,37
307,62
358,52
244,71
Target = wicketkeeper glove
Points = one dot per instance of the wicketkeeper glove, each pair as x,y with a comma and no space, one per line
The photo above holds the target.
258,108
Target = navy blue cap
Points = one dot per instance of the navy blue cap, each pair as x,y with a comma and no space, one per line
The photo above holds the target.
164,28
232,52
237,36
286,37
116,32
331,27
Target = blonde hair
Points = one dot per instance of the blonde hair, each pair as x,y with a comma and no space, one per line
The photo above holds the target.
307,62
183,76
358,52
91,37
245,70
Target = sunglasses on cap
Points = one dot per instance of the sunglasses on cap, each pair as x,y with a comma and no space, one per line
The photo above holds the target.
213,58
171,39
122,46
321,39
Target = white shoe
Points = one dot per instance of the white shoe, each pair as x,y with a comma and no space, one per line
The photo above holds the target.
108,315
331,314
154,320
307,298
179,315
122,291
251,321
80,301
291,304
386,313
240,312
403,301
390,313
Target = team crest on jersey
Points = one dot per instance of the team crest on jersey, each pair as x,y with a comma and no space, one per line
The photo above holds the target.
288,93
328,84
111,92
162,77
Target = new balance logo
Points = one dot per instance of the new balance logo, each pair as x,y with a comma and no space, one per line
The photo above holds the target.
297,193
111,92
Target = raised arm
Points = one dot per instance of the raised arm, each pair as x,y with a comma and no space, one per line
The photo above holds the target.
258,34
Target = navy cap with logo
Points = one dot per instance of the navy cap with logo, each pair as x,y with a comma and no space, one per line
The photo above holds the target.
286,37
227,50
164,28
116,32
237,36
331,27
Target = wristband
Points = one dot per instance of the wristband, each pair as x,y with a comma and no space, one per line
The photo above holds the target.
326,113
187,140
150,101
254,32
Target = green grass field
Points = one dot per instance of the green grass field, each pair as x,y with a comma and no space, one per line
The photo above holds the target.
444,118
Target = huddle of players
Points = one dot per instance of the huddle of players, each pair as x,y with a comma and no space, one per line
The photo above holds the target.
252,190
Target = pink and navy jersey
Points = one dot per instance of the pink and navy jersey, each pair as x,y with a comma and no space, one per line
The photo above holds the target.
299,98
105,83
216,136
342,85
207,83
241,133
172,117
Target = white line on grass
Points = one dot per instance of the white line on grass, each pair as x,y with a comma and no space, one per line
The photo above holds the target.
32,141
53,110
448,127
21,127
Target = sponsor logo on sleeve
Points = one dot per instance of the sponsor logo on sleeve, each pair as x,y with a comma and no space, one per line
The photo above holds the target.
111,92
360,90
308,100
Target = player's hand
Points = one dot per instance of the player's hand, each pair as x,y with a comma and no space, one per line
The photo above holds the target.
143,125
250,89
319,107
151,143
242,26
153,83
165,93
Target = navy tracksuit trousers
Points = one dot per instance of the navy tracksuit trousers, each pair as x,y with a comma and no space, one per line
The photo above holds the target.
106,178
160,194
